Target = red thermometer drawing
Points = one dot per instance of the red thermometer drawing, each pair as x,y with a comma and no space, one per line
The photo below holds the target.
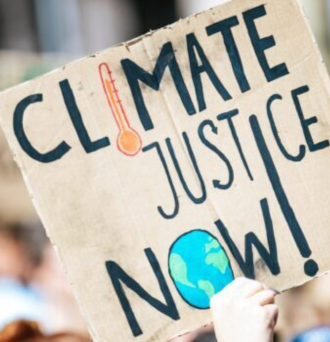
128,140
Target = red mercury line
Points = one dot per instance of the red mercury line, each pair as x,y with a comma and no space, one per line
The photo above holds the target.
128,140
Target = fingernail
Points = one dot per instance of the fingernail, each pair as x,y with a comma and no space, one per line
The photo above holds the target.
275,291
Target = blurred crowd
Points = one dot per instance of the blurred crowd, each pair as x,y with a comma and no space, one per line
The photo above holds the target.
33,287
37,36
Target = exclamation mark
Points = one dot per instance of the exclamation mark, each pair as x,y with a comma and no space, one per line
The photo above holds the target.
311,267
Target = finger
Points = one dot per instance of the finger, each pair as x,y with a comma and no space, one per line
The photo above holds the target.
264,297
250,288
265,287
272,310
235,286
231,290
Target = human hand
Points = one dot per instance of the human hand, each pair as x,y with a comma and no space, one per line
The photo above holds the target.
244,311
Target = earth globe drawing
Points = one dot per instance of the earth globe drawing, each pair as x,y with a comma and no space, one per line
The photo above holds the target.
199,267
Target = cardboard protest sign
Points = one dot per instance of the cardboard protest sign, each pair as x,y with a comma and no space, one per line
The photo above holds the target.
16,67
15,202
167,166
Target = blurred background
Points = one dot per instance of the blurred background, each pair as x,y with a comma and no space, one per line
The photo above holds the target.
37,36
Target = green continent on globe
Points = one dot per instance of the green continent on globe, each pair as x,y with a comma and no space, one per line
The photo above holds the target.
212,245
207,287
199,267
218,260
179,270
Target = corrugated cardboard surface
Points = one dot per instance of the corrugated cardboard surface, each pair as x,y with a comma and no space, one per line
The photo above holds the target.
102,206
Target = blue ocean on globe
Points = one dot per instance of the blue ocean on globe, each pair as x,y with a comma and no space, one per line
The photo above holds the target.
199,267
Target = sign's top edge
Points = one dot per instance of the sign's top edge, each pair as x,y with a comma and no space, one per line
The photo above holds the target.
127,44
